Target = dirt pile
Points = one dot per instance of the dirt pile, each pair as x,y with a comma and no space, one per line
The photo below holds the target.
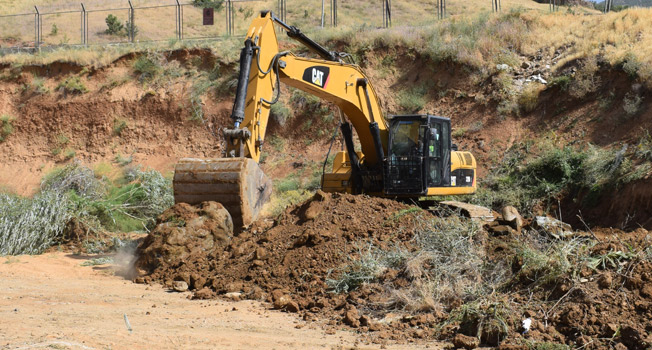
287,262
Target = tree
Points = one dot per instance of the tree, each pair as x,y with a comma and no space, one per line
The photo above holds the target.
114,26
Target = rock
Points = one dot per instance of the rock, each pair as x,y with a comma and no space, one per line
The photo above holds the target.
204,293
282,301
180,286
512,217
502,67
646,291
261,253
365,321
465,342
233,296
525,65
538,79
292,306
553,227
351,317
605,280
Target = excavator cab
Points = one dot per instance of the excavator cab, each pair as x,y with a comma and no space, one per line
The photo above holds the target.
418,156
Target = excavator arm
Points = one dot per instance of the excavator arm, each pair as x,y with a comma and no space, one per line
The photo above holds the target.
236,181
328,78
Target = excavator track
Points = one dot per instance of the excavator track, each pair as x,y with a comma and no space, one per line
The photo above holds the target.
237,183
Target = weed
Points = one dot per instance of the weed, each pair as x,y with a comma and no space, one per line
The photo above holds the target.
541,261
200,87
54,30
529,97
73,85
147,66
38,86
611,259
119,125
290,183
29,226
123,161
562,82
631,65
412,100
280,113
458,133
632,104
586,80
606,103
69,154
6,126
98,261
403,212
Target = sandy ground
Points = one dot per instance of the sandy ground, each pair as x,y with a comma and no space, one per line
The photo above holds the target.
51,301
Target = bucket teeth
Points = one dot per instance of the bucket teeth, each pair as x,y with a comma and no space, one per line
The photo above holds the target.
237,183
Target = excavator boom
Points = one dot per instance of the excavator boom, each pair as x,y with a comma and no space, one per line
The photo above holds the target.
415,162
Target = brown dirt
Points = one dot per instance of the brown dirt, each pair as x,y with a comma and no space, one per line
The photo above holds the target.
50,301
288,262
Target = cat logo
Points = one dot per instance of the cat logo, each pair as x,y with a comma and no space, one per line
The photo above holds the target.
317,75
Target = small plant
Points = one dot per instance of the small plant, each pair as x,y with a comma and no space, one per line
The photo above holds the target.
38,86
119,125
98,261
123,161
562,82
586,79
147,66
69,154
632,104
529,98
280,113
459,132
54,30
631,65
113,25
611,259
73,85
412,100
290,183
6,126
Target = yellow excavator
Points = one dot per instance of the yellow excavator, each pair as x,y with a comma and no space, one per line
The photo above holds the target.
406,156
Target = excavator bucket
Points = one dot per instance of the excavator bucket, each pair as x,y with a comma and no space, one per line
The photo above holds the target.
237,183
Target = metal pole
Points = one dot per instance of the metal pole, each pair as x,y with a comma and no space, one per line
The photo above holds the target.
37,26
178,19
322,13
131,21
83,24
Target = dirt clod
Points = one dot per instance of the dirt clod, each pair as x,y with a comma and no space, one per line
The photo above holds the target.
465,342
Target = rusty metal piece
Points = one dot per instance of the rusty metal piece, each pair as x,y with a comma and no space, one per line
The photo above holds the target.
237,183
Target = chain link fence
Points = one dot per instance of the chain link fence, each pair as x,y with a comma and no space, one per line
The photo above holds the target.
170,20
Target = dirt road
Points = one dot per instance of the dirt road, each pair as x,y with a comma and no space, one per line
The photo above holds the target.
51,301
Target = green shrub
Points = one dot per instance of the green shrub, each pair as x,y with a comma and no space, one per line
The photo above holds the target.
280,113
214,4
29,226
632,104
562,81
147,66
586,79
413,99
6,126
113,25
73,85
119,125
290,183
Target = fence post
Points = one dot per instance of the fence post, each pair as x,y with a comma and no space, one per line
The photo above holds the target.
83,24
177,19
131,21
441,9
37,28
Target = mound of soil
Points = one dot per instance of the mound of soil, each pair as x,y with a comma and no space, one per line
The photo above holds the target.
288,263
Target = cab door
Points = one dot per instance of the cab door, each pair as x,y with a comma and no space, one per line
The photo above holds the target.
438,153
